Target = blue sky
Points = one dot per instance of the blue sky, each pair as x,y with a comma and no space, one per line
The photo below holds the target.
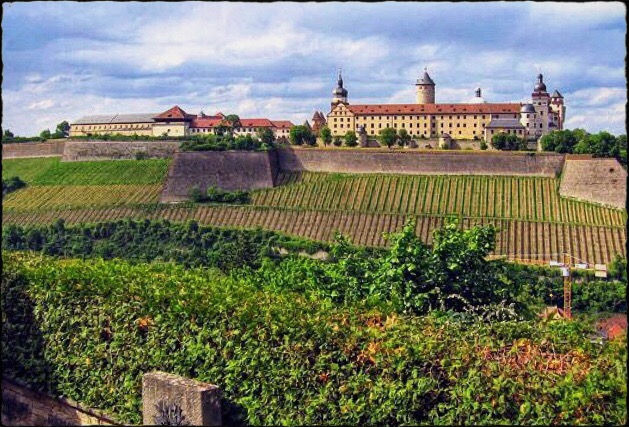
63,60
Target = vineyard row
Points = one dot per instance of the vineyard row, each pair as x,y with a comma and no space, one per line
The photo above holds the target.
524,198
515,239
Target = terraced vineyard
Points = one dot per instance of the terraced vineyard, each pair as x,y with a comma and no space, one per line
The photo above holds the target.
526,198
533,221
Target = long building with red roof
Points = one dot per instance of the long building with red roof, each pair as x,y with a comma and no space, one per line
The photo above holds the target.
474,120
172,122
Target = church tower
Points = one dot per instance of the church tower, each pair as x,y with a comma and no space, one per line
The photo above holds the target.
425,89
339,94
542,107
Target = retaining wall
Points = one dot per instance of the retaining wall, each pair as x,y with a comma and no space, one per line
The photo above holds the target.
33,149
228,170
22,406
76,151
595,180
419,162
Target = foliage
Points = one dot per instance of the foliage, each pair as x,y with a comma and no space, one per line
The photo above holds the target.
216,195
351,140
185,243
11,184
301,135
578,141
504,141
21,139
226,141
45,134
326,135
88,330
403,137
337,141
266,136
62,130
7,134
387,136
483,145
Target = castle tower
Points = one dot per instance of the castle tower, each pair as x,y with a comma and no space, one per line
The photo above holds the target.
339,94
542,107
557,105
425,89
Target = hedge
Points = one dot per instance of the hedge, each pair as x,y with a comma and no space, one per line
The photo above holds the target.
88,330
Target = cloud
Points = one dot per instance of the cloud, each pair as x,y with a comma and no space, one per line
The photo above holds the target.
279,60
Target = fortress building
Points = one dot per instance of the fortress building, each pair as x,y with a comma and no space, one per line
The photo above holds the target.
476,119
172,122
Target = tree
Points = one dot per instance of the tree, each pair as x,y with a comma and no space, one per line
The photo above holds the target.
8,134
483,145
403,137
337,141
326,135
561,141
45,134
300,135
266,135
63,130
387,136
504,141
351,140
232,121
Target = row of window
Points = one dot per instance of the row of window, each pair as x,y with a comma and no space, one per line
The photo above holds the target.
114,127
440,117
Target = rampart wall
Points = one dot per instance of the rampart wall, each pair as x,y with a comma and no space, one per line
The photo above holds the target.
107,150
33,149
419,162
228,170
595,180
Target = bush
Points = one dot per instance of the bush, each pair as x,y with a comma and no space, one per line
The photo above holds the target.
141,155
88,330
337,141
11,184
483,145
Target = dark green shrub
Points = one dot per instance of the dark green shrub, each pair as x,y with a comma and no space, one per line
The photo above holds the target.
12,184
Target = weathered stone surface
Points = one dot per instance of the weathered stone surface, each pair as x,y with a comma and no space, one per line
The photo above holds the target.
228,170
595,180
33,149
112,150
199,402
25,407
419,162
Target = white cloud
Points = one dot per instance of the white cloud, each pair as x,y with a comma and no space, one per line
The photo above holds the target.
41,105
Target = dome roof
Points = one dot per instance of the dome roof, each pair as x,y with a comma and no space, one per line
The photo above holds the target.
339,91
540,86
527,108
478,99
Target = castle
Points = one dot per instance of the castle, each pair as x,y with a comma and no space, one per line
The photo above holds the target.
476,119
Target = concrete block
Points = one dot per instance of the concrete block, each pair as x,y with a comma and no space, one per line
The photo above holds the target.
196,402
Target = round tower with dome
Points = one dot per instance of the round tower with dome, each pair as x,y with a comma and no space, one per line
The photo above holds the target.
339,94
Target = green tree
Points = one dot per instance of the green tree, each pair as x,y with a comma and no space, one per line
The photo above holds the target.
337,141
504,141
45,134
483,145
387,136
351,140
266,136
403,138
231,122
8,134
326,135
561,141
300,135
63,130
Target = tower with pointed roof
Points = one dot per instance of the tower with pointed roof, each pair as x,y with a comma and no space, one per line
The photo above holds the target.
425,89
557,105
339,94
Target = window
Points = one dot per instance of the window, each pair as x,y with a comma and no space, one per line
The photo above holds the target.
474,115
402,124
474,124
450,124
458,117
458,125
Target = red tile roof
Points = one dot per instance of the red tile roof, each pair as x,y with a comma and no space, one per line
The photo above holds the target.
174,113
283,123
614,326
255,123
206,122
365,110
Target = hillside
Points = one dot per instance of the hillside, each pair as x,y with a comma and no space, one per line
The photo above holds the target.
534,220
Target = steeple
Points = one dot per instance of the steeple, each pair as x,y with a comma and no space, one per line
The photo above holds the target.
339,94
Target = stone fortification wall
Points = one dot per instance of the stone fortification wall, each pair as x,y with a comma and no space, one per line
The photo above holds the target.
22,406
595,180
76,151
419,162
33,149
228,170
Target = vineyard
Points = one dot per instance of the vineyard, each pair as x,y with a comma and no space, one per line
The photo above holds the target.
533,220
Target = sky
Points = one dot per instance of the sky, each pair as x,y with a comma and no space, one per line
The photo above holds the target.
65,60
